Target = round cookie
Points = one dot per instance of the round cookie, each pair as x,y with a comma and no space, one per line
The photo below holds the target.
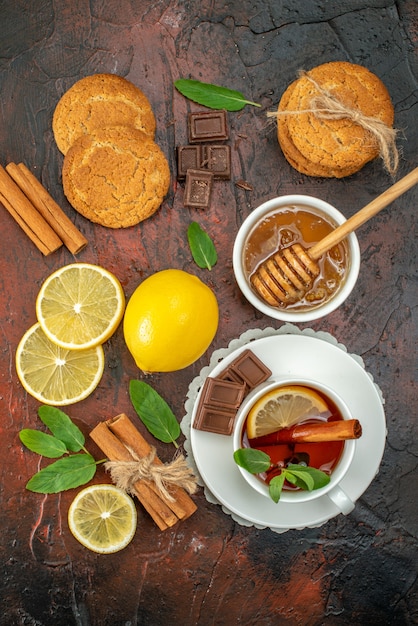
338,145
292,154
116,176
97,101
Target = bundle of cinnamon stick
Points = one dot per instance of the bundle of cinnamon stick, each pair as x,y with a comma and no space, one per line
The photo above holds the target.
36,212
120,440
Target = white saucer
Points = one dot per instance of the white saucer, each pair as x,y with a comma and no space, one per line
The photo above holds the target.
292,354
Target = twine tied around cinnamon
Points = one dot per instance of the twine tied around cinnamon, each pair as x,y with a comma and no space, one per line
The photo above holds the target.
126,473
328,106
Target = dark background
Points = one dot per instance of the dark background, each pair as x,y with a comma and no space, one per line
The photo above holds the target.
357,570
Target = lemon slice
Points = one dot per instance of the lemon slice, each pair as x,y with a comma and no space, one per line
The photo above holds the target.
80,306
283,407
54,375
103,518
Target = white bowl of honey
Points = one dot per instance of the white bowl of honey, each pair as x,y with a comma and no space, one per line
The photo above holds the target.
280,223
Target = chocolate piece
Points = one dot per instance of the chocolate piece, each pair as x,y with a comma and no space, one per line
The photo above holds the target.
214,420
188,158
207,126
222,393
250,369
246,368
221,397
218,405
214,158
198,189
217,159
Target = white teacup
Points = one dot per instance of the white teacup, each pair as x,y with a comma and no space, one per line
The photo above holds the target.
333,489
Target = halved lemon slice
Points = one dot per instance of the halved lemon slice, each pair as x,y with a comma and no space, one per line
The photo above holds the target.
103,518
55,375
80,306
283,407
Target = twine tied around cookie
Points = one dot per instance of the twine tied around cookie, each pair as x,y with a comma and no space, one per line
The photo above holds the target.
327,106
126,473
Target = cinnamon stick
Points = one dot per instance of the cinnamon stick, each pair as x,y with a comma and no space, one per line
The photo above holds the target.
25,214
312,432
116,451
120,440
47,207
182,505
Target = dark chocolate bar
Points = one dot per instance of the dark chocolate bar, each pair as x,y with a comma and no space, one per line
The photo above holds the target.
207,126
198,189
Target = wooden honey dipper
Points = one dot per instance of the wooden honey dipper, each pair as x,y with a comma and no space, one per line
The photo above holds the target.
287,274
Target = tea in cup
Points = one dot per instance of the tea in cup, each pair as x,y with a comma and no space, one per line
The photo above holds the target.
299,415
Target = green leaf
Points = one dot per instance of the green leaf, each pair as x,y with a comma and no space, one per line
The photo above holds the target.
67,473
252,460
42,443
154,412
212,96
306,477
62,427
202,247
276,486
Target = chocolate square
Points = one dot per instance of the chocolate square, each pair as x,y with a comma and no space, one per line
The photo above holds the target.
207,126
215,420
198,189
217,159
188,158
250,369
222,393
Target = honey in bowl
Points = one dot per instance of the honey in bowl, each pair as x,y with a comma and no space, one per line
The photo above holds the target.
306,226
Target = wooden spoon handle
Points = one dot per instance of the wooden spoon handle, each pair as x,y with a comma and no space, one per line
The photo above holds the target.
364,214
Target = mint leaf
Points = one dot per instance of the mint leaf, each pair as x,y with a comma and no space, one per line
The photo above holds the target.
202,247
154,412
276,486
252,460
301,480
62,427
42,443
67,473
312,477
212,96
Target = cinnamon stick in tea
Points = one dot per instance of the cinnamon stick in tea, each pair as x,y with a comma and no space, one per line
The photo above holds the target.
312,432
47,207
25,214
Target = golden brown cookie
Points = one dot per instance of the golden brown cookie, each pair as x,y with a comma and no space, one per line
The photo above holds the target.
97,101
330,147
115,176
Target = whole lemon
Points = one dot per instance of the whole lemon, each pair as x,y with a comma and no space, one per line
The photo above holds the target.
170,321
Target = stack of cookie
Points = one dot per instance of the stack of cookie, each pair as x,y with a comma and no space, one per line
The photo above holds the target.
317,143
113,173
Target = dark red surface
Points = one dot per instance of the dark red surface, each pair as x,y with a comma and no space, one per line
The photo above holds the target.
359,569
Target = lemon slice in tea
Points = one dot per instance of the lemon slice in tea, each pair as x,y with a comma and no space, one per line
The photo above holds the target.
55,375
103,518
80,306
283,407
